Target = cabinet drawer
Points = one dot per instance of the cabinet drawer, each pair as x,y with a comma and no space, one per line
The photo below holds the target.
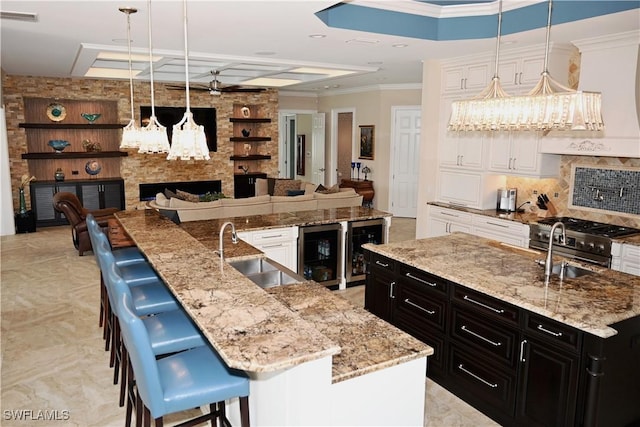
501,225
274,235
382,263
423,280
554,332
450,214
425,310
436,366
496,340
486,305
479,382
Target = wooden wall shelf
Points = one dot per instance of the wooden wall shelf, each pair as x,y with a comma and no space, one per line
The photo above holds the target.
249,120
71,126
250,138
74,155
251,157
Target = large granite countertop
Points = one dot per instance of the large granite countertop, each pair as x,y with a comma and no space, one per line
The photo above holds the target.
591,303
259,331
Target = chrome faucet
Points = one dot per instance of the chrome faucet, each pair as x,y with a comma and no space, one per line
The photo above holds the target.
548,264
234,237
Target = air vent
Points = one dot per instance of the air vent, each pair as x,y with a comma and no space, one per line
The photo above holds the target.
19,16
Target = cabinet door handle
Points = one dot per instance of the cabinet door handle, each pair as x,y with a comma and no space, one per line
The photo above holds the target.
488,307
273,236
391,288
411,276
461,157
522,344
543,329
466,371
275,245
509,165
461,83
514,164
413,304
449,214
382,264
477,335
515,79
497,225
520,78
447,227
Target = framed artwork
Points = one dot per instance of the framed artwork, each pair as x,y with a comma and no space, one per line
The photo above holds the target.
300,155
366,141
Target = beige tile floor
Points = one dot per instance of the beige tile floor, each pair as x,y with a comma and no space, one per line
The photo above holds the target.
53,361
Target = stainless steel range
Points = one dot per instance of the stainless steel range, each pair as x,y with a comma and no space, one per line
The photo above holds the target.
586,240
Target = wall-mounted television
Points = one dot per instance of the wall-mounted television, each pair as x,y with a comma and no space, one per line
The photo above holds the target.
169,116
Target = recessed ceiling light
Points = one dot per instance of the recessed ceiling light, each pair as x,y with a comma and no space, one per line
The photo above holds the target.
399,45
375,63
317,36
265,53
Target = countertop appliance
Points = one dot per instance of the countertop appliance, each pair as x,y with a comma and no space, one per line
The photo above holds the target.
586,240
506,201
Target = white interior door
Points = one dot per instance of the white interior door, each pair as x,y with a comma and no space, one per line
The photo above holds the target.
317,149
405,154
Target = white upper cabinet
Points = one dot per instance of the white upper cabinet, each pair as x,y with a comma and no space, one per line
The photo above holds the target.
519,76
462,150
516,153
469,78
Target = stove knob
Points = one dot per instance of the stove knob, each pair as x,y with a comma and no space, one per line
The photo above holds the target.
601,248
580,244
545,236
591,246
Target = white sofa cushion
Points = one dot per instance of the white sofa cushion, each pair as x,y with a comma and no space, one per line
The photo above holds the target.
258,205
304,202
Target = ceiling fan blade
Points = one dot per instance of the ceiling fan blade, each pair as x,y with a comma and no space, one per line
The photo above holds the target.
191,87
236,88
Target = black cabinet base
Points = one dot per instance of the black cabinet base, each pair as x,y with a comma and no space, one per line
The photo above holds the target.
25,223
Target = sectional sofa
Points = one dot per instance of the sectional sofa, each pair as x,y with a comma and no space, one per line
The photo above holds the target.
261,204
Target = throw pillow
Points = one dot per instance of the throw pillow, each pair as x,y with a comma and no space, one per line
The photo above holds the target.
321,188
170,194
271,182
262,187
283,185
295,192
187,196
331,190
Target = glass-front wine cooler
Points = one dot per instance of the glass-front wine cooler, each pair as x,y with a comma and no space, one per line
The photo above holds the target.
359,233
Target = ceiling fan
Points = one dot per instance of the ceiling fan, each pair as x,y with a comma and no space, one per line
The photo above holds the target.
214,87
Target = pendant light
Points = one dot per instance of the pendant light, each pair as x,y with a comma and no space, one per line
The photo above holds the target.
188,140
131,132
481,112
549,106
153,136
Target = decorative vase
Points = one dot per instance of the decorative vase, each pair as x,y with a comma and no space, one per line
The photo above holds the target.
246,132
23,203
59,175
246,113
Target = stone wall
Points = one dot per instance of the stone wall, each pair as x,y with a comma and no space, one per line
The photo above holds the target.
140,168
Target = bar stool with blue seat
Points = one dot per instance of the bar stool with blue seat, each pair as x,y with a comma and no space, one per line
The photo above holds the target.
181,381
123,257
169,331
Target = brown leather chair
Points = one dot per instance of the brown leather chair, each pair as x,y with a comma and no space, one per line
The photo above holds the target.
70,206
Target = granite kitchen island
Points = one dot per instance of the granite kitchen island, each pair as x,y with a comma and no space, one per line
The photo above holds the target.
522,349
312,357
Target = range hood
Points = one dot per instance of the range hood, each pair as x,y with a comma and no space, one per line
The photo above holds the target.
608,65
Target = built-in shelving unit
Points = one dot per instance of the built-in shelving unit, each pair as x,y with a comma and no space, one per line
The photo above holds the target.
248,138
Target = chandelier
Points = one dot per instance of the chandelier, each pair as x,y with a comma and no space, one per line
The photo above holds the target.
188,139
131,132
549,106
153,137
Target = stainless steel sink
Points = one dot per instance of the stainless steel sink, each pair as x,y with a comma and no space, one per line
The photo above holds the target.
570,271
265,272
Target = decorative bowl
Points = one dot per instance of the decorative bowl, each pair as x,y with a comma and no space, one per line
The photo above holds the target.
92,167
58,144
91,117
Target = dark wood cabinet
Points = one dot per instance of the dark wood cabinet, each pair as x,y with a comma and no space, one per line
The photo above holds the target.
93,194
244,185
380,289
362,187
517,367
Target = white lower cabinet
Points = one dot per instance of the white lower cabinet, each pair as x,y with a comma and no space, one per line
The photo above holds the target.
626,258
279,244
511,232
443,221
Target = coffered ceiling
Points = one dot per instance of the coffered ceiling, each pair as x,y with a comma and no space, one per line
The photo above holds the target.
315,46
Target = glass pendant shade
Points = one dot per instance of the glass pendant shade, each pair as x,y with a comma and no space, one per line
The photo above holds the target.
548,106
153,137
131,132
188,140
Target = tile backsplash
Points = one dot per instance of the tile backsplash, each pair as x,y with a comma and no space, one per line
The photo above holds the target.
607,189
559,190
